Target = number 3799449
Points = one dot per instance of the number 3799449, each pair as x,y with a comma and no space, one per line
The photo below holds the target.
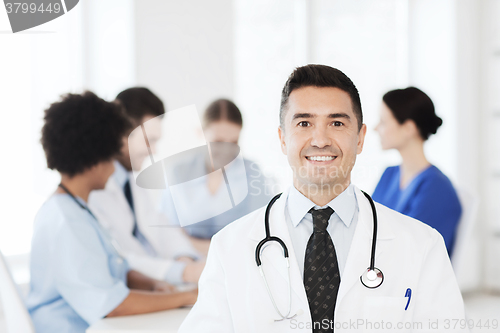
25,7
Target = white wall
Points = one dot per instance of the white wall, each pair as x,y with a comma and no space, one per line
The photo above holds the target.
489,120
36,67
468,130
266,51
184,50
432,64
109,46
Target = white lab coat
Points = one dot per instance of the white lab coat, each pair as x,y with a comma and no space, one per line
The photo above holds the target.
113,212
233,298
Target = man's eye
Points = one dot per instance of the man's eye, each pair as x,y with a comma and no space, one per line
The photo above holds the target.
337,123
303,123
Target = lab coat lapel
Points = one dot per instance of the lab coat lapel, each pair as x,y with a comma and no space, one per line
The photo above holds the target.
272,253
358,259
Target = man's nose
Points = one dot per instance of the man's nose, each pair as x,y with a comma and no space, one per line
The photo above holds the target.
321,137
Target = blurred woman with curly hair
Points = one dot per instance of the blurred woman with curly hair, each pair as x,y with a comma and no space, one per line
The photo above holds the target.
77,275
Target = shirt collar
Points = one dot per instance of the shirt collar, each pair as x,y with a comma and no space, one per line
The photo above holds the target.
121,174
344,205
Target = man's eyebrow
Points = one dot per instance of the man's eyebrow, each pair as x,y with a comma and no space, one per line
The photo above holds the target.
339,115
331,115
303,115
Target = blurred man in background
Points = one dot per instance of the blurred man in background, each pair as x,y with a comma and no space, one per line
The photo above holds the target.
128,212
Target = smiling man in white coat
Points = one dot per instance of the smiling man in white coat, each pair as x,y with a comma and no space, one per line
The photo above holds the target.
327,226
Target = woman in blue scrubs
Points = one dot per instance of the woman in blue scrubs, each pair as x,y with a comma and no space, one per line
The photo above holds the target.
77,276
416,187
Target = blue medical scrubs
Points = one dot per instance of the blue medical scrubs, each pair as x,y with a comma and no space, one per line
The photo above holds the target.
77,276
430,198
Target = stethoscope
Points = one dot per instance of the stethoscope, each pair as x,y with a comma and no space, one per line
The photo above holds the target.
371,278
115,245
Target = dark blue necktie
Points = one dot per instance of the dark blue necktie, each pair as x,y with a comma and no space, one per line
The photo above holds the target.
321,272
128,195
136,232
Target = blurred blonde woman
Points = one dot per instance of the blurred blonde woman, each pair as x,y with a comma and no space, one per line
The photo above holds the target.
222,124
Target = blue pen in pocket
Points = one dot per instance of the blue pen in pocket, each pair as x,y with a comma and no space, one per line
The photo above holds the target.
408,294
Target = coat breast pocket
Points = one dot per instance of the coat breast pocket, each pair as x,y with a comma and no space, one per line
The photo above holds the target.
384,313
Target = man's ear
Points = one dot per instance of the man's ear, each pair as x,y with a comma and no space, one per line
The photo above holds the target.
281,134
124,149
361,138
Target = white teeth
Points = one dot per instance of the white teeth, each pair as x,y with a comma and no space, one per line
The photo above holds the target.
320,158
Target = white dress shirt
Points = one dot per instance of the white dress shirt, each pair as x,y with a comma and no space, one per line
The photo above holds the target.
122,176
341,225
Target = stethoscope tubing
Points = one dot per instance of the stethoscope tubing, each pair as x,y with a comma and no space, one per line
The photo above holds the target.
270,238
375,227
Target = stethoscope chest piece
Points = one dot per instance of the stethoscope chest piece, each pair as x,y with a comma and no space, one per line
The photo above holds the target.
372,278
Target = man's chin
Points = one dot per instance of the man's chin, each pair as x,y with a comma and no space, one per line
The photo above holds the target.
332,185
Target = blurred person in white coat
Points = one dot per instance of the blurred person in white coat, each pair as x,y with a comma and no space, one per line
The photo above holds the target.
129,213
328,227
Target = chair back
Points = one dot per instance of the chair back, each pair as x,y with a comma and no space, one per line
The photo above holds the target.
17,317
461,258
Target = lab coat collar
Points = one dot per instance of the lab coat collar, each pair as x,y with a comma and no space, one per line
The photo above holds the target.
344,205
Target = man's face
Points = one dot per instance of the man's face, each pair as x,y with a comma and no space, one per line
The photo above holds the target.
134,149
321,139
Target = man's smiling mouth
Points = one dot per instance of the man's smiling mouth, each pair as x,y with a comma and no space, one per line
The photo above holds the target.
321,158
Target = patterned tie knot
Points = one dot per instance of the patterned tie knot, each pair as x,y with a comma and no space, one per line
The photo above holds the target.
320,218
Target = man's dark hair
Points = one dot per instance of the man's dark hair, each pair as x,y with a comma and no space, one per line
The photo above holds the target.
139,102
413,104
80,131
222,109
320,76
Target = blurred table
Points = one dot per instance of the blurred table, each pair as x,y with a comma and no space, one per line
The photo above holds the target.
158,322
